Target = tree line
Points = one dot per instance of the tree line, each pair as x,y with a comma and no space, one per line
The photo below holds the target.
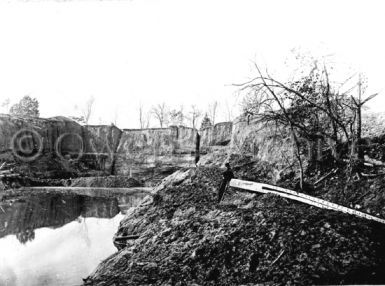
27,106
165,115
162,114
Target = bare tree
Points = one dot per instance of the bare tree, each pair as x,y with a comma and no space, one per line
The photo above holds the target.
279,99
357,103
160,112
195,114
144,117
182,116
116,116
88,109
311,110
228,111
212,111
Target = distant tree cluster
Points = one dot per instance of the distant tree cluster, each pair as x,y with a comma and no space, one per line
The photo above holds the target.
163,114
206,122
166,116
27,106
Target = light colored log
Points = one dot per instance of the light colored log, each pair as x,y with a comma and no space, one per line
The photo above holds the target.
293,195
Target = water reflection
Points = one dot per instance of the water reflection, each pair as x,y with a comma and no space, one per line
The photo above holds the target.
25,235
58,239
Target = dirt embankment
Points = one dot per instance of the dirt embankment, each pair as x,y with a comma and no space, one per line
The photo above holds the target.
106,182
185,238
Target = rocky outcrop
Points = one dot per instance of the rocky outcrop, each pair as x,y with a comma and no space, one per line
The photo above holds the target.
39,145
101,142
217,135
248,137
264,143
155,152
214,143
52,147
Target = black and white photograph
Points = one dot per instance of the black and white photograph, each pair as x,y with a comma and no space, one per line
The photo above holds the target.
192,142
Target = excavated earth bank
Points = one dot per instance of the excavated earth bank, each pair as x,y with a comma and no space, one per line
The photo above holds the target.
184,238
106,182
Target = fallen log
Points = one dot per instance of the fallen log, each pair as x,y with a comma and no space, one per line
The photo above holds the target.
300,197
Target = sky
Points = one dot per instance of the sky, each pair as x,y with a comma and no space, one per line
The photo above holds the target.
127,53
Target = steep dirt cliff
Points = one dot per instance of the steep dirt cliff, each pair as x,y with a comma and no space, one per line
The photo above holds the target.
61,147
38,145
264,143
155,152
217,135
101,142
247,138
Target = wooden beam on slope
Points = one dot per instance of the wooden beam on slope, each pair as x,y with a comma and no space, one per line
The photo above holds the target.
300,197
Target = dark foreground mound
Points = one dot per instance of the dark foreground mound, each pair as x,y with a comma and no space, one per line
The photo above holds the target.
186,239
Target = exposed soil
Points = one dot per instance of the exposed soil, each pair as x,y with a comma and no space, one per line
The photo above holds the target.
106,182
185,238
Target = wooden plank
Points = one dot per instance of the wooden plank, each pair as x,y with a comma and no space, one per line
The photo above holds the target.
293,195
257,187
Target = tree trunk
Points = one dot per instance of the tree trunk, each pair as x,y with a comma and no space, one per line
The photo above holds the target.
298,155
359,151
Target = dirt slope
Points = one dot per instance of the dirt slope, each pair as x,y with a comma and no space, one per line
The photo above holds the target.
186,239
106,182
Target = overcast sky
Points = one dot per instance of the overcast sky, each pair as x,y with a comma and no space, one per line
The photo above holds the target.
179,52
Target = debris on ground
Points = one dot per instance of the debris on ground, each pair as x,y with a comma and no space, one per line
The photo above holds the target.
185,238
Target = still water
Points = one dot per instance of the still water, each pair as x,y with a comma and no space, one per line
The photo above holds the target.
58,239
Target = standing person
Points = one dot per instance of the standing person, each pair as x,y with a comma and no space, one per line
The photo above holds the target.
227,176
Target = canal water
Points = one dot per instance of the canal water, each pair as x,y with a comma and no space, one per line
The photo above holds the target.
58,239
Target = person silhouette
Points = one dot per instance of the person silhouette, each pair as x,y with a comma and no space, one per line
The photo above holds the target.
227,176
